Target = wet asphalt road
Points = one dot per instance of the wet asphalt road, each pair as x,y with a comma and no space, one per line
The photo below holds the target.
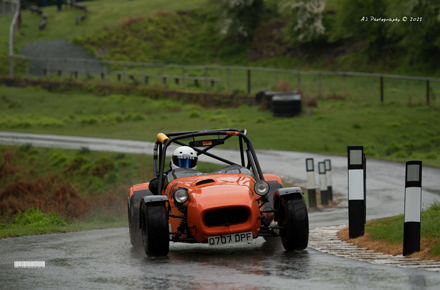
104,259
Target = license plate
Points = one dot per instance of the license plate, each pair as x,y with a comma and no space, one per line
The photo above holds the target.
230,239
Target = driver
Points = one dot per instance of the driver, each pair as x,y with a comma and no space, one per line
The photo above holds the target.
183,157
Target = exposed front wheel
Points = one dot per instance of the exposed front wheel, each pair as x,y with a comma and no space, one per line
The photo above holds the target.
154,225
294,219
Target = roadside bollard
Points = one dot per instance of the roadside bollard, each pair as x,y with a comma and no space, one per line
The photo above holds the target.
328,173
356,194
323,183
311,187
413,203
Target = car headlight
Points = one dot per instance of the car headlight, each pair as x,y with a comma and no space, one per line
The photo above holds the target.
261,187
181,195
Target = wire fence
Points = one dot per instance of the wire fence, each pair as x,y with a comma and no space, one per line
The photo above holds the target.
234,79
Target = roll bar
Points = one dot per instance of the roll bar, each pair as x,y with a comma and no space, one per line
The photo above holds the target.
164,140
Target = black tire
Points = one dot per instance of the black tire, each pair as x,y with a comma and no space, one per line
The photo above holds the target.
295,220
155,233
133,217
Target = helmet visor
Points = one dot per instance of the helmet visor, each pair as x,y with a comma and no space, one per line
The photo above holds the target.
184,162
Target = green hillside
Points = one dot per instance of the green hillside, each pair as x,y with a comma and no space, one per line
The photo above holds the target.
190,32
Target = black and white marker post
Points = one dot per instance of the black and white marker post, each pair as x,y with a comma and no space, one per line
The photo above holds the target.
356,194
323,183
413,203
311,186
328,173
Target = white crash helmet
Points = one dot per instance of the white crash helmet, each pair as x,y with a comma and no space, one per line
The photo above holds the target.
184,157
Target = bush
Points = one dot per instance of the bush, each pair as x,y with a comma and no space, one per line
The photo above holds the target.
37,218
89,120
102,166
195,114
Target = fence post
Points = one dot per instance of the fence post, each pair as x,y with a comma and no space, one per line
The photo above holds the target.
86,70
299,81
319,85
413,202
125,72
427,92
28,68
206,78
183,78
381,89
11,66
356,194
311,187
276,76
105,71
345,84
47,68
249,81
228,76
162,76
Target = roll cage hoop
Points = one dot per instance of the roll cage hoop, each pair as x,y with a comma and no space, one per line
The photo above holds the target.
164,140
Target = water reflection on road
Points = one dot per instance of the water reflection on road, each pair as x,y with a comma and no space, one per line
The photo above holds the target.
104,259
265,265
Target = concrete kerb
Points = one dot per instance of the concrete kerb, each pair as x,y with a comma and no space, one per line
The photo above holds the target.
327,241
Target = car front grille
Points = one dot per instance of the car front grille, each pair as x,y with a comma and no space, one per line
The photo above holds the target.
226,216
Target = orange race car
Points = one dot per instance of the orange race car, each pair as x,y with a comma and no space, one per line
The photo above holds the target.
233,205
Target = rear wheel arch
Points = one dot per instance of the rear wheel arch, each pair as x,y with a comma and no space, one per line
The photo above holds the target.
133,208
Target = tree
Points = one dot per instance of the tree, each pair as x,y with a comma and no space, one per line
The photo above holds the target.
238,18
419,33
305,23
353,20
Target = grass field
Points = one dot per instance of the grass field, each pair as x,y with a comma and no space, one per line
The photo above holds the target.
391,131
386,235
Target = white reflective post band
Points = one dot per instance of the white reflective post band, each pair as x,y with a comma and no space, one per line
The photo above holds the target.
413,202
323,182
356,184
311,180
329,178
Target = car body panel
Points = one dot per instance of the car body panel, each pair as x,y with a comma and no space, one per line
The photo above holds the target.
137,187
224,191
